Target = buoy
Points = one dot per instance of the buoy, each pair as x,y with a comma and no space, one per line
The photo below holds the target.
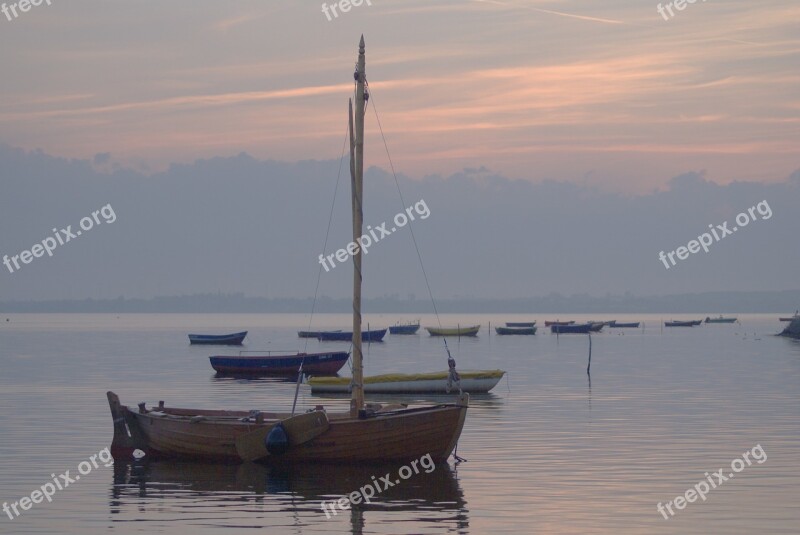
277,440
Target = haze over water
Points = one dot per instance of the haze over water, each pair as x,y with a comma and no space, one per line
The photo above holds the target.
547,451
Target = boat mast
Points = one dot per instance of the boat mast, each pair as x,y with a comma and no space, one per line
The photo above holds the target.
357,175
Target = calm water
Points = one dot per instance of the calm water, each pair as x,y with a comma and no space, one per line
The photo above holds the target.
548,451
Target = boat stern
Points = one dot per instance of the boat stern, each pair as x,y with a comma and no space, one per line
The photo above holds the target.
127,436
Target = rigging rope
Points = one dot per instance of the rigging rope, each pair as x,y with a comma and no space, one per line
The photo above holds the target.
410,226
327,234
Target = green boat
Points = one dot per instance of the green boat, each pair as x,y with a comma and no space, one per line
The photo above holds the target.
515,330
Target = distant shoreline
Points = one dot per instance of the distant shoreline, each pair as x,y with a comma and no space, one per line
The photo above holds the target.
782,302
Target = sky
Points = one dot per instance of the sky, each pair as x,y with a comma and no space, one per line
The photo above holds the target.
607,94
560,146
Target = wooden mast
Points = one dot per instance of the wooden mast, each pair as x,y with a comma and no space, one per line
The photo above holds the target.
357,175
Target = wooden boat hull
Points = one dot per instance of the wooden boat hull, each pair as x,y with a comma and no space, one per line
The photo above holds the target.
520,323
515,330
328,363
393,436
617,325
375,335
473,382
404,329
583,328
454,331
596,327
234,339
551,323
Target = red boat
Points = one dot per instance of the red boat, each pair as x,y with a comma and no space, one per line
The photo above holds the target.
561,323
328,363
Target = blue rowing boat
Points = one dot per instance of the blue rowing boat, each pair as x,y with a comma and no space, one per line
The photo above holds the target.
515,330
234,339
407,328
375,335
328,363
310,334
690,323
580,328
520,324
618,325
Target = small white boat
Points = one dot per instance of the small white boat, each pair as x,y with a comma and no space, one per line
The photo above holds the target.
480,381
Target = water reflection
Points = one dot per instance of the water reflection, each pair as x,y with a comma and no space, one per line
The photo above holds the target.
250,494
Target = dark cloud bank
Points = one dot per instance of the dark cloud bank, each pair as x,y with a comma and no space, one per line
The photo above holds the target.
238,225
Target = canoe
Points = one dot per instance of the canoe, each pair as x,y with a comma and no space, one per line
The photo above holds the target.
234,339
472,382
551,323
310,334
618,325
327,363
375,335
581,328
720,319
520,323
410,328
515,330
681,323
454,331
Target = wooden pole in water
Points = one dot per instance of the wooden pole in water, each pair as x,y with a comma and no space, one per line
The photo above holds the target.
589,367
357,170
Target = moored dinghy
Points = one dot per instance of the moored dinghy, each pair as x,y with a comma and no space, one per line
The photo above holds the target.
793,329
280,364
580,328
690,323
375,335
407,328
620,325
366,433
234,339
515,330
454,331
312,334
473,382
720,319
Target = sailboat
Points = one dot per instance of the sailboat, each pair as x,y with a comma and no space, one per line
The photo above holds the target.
368,432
